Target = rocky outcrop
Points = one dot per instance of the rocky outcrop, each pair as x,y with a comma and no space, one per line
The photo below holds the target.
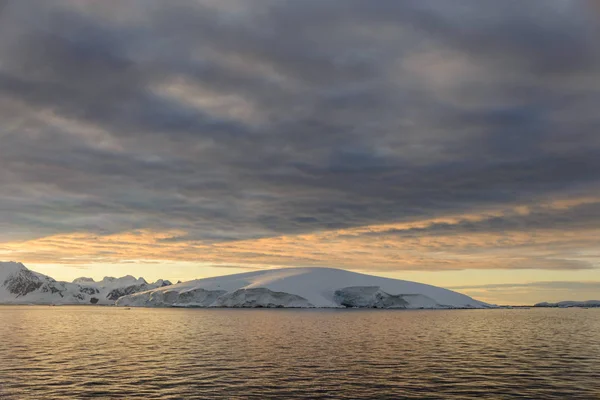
22,283
199,297
242,298
89,290
368,297
116,293
261,298
125,291
171,298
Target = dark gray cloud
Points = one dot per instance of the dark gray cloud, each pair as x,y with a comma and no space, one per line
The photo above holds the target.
583,216
231,120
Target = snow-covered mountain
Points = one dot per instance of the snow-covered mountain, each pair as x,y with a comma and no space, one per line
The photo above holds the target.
113,288
301,287
19,285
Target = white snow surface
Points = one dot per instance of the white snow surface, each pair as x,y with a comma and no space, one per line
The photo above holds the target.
19,285
310,287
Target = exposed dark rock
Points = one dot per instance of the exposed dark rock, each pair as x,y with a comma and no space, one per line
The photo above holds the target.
368,297
199,296
53,289
89,290
261,298
22,283
116,293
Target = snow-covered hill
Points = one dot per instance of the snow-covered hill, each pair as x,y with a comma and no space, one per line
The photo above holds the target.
301,287
19,285
569,304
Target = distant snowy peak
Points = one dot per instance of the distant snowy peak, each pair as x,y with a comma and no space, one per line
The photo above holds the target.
19,285
162,282
569,304
123,281
112,282
301,287
83,280
9,268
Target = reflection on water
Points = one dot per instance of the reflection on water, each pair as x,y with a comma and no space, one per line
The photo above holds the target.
106,352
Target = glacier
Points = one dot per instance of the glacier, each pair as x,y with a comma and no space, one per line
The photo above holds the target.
312,287
19,285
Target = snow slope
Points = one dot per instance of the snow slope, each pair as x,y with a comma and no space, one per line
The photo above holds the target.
19,285
301,287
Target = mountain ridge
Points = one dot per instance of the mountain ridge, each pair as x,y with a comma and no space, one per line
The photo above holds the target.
20,285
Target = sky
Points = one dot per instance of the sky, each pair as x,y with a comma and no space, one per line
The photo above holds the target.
455,143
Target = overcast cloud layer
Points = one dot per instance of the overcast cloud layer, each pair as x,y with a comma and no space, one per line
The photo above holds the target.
231,120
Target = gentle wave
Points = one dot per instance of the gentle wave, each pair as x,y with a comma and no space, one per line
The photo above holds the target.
113,353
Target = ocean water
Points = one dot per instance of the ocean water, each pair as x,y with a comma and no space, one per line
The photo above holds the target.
114,353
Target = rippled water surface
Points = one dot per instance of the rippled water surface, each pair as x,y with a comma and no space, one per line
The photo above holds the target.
107,352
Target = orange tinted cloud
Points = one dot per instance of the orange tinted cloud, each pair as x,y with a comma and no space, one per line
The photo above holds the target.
380,247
